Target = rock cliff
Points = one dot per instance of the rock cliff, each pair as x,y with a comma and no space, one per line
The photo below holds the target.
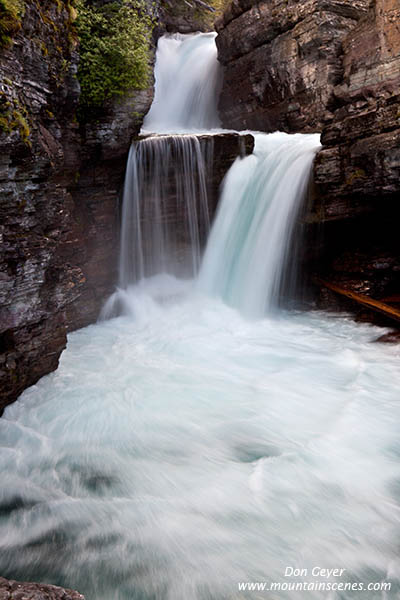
38,136
358,171
281,61
291,65
331,66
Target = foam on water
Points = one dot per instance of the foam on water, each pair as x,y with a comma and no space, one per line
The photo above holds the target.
182,449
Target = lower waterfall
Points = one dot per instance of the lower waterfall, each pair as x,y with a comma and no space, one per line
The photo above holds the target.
183,451
165,207
249,246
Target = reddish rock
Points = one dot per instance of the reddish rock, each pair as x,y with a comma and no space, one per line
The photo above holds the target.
281,61
393,337
358,171
361,159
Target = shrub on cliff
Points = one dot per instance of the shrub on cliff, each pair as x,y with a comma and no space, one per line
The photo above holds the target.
114,50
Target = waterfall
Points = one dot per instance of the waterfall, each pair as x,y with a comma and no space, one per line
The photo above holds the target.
250,241
165,207
186,85
178,453
165,215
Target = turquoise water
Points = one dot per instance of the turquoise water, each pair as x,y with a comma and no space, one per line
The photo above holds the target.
181,449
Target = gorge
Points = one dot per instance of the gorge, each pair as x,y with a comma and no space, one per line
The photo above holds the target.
206,432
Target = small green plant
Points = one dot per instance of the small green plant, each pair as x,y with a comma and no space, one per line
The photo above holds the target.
114,50
14,116
11,12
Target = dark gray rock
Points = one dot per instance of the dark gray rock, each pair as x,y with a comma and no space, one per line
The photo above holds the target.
38,138
14,590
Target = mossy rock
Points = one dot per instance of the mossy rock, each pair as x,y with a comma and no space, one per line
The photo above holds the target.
11,13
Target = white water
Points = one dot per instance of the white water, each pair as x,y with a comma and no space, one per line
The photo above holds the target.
158,234
181,449
165,207
179,452
250,240
186,85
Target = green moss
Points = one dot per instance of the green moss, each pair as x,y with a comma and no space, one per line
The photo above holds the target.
13,116
4,124
114,51
11,12
19,122
73,15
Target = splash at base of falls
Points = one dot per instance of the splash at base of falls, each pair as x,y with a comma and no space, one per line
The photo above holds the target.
179,452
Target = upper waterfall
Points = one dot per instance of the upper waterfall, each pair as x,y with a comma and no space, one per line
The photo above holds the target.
186,85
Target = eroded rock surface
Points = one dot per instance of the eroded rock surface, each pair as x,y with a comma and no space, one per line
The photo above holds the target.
38,136
60,190
281,61
358,171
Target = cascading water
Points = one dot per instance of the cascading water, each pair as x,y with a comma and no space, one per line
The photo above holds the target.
186,88
249,245
188,452
165,208
165,216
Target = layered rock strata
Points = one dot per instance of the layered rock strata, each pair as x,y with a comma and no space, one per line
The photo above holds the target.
281,61
358,171
38,97
60,189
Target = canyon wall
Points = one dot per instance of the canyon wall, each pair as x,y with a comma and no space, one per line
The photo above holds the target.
331,66
297,66
281,61
358,171
38,160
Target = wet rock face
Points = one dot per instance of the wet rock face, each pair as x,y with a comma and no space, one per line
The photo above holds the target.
358,171
38,96
361,156
185,17
97,194
281,61
59,196
13,590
